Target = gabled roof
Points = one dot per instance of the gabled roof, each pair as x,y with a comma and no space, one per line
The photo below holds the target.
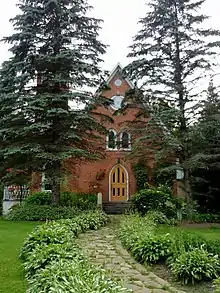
119,68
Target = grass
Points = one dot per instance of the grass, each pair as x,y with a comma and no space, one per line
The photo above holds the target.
210,233
12,235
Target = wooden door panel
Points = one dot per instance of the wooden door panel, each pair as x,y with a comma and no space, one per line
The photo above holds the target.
118,184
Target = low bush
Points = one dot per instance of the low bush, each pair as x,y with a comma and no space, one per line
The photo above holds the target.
195,265
154,199
138,236
82,201
29,212
217,285
55,263
206,218
73,276
39,198
62,231
152,248
44,254
49,233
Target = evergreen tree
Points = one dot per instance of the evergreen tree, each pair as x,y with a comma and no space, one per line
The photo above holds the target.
55,52
171,54
205,153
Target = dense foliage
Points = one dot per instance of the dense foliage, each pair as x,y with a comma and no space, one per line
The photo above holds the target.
39,198
190,257
141,176
172,54
80,200
55,55
31,212
53,262
217,285
152,198
195,265
204,148
67,199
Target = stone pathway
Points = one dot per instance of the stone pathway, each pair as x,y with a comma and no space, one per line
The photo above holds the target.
104,249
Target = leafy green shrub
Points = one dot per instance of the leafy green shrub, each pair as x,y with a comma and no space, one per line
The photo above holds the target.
206,218
217,285
49,233
62,231
73,276
141,176
44,254
195,265
28,212
154,199
153,248
159,218
39,198
138,236
82,201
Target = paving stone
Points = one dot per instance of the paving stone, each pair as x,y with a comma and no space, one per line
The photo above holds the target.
158,291
138,283
144,290
152,284
132,287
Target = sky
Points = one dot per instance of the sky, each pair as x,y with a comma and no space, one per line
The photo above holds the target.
120,25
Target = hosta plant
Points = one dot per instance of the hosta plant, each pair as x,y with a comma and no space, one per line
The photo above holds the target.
44,254
195,265
73,276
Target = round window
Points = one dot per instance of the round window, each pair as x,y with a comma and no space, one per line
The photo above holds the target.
117,102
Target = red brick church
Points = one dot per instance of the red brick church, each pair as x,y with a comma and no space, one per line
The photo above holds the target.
113,175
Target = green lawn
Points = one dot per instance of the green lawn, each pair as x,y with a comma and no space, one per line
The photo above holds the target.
211,233
12,235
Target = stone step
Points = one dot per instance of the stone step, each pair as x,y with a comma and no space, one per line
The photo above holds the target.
116,207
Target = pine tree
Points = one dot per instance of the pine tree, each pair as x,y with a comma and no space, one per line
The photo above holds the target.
205,152
171,54
55,55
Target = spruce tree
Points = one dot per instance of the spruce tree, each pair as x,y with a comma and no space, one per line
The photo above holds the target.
205,152
171,54
55,56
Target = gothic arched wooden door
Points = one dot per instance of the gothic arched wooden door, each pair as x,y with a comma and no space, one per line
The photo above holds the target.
118,184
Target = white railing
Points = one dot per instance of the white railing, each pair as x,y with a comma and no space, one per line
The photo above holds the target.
14,192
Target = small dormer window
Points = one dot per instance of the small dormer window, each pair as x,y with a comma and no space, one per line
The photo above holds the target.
117,102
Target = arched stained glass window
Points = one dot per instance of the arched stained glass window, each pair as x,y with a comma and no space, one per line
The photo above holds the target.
125,140
112,139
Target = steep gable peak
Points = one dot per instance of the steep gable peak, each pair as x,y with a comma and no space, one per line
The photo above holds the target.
117,71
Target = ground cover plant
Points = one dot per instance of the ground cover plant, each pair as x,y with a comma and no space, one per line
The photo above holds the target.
53,262
191,256
38,206
12,235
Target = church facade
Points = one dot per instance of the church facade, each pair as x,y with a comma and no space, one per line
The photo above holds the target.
112,175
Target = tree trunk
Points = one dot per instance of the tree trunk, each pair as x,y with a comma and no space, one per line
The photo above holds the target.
182,104
55,182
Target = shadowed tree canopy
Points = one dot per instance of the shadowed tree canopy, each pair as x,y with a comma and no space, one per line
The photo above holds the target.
55,52
172,54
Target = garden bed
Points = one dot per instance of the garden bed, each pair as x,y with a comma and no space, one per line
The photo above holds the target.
186,256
